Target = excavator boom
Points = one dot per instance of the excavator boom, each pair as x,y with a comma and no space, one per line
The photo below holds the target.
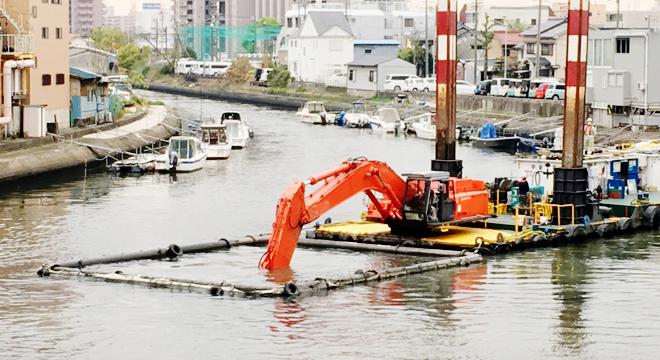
294,209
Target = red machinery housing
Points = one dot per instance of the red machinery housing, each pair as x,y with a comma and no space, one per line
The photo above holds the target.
421,202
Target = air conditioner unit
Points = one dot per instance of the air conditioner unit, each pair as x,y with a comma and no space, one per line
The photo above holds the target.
641,86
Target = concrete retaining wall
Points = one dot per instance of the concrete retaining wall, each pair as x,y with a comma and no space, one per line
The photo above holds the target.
543,108
63,155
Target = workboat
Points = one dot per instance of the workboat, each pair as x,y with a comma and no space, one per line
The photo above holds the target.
313,112
386,119
357,117
214,138
183,154
488,139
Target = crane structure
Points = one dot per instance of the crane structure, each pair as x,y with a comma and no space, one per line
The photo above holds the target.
417,204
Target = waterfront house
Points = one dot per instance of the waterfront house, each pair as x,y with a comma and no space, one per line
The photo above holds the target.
323,47
367,73
90,100
553,50
92,59
621,87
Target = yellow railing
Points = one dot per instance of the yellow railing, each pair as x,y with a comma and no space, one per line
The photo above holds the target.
547,209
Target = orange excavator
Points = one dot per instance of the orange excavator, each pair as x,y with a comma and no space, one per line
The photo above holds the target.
416,205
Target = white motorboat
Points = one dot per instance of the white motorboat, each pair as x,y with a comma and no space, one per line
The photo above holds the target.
232,115
183,154
386,119
357,117
238,134
313,112
214,138
424,130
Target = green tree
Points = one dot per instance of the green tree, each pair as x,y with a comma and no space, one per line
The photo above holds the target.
487,36
516,25
109,39
128,56
279,77
414,54
190,53
240,71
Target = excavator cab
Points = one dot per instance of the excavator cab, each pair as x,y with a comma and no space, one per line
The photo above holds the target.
427,203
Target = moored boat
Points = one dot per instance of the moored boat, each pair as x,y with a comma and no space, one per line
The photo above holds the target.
214,138
183,154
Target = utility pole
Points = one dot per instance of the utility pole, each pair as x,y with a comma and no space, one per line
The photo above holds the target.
618,12
476,40
538,42
506,47
427,65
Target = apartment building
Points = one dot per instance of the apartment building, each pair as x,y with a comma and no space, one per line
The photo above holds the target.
85,15
37,35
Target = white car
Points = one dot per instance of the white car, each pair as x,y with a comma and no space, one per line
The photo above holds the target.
464,88
499,87
337,80
397,82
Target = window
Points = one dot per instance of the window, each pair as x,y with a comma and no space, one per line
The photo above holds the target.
367,51
531,49
623,45
45,80
34,11
408,22
372,76
44,33
546,49
533,21
59,79
289,22
351,75
58,33
58,2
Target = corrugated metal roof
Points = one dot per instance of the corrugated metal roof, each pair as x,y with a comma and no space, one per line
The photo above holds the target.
83,74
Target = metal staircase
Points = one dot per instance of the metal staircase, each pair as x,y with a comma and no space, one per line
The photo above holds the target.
10,19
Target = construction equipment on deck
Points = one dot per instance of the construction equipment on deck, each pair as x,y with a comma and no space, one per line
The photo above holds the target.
417,204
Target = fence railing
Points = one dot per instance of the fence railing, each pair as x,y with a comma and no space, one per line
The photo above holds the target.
15,44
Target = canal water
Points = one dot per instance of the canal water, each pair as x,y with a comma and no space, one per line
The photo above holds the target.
592,300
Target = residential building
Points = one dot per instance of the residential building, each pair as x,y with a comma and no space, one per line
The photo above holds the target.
41,36
191,17
85,15
371,20
92,60
527,15
597,12
154,24
126,23
323,47
634,19
553,50
367,74
620,83
90,100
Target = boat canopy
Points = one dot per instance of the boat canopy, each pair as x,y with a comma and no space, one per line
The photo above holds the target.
389,115
214,135
315,107
186,148
230,116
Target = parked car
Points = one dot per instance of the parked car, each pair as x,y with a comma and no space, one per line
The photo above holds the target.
463,87
414,84
540,91
515,88
337,80
499,87
483,88
533,85
397,82
555,91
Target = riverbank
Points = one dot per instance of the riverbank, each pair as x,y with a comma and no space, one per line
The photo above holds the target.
58,154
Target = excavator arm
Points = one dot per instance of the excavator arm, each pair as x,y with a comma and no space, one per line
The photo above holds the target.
295,209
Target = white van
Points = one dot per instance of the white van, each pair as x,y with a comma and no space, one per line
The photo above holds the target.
499,87
216,68
185,66
397,82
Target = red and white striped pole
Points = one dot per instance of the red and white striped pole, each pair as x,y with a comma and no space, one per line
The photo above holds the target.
576,79
445,116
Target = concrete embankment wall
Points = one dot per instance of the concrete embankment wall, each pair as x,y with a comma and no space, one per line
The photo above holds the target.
64,155
543,108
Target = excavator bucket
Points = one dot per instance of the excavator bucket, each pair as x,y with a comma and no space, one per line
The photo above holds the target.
286,228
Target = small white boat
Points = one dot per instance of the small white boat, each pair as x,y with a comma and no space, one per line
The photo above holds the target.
313,112
424,130
357,117
238,131
386,119
183,154
214,138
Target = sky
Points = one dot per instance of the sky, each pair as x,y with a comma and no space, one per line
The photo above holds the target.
123,6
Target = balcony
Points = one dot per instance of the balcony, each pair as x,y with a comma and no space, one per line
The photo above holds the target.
13,44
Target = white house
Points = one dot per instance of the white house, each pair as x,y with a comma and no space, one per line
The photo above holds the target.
553,50
323,47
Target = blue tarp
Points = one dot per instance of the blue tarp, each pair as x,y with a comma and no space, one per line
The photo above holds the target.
488,131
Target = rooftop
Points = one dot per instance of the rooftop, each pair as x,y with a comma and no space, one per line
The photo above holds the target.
83,74
327,20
